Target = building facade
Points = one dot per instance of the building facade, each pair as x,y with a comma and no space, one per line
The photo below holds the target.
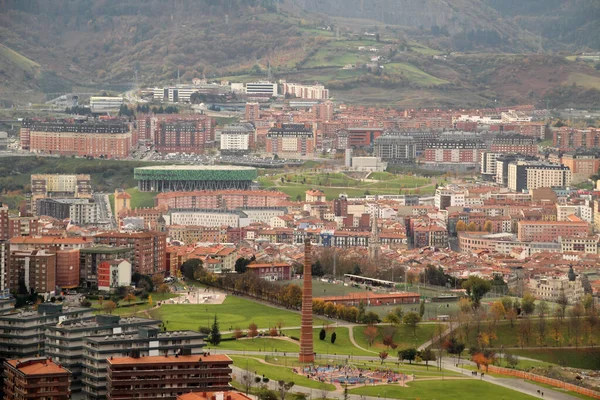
149,249
36,378
291,140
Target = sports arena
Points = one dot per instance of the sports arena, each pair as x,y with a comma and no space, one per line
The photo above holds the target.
186,178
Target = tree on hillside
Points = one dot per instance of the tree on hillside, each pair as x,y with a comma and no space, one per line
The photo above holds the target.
476,288
215,333
409,354
412,319
461,226
528,303
192,268
370,333
427,355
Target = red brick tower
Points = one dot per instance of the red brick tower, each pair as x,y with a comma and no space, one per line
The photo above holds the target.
307,354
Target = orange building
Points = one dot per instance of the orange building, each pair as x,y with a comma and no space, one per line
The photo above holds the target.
227,395
67,268
37,378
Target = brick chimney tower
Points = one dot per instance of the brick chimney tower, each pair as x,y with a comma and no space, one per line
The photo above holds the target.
307,354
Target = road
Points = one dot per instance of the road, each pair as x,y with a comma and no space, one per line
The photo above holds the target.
105,216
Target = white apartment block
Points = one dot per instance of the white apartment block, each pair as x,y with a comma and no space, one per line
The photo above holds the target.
447,197
577,244
237,137
550,288
266,89
525,175
209,218
582,211
314,92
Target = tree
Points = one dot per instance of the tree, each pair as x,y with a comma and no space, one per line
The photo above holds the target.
392,319
252,330
382,356
129,297
476,288
370,334
481,360
576,312
266,394
511,360
237,333
497,312
488,227
453,346
273,331
241,264
507,303
157,280
472,227
333,337
399,313
409,354
284,387
192,268
322,334
150,299
215,333
528,303
422,308
412,319
563,302
461,226
164,288
388,340
109,306
317,269
371,318
588,303
427,355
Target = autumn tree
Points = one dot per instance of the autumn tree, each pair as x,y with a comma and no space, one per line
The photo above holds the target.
488,227
273,331
461,226
528,303
388,340
238,333
129,297
392,318
472,227
497,312
157,280
382,356
164,288
453,346
252,330
481,359
109,306
370,334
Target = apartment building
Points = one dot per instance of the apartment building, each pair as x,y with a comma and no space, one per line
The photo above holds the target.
4,218
79,211
113,274
489,165
272,272
514,144
90,258
23,333
223,199
22,226
57,185
583,211
65,341
454,151
291,140
237,139
36,378
33,270
4,260
182,133
95,138
147,342
569,139
167,377
149,249
530,175
579,244
582,165
313,92
550,231
252,112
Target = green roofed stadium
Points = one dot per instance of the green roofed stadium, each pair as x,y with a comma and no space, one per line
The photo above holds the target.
171,178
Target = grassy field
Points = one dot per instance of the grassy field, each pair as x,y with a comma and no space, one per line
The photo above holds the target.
18,59
403,336
261,344
130,310
574,358
584,80
463,389
342,344
278,373
138,199
234,312
414,74
332,184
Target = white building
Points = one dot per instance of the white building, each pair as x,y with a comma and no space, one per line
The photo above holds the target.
237,219
105,103
551,288
237,138
530,175
119,275
488,164
314,92
261,89
580,210
449,197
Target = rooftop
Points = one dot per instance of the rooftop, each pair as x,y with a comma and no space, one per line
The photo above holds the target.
37,366
170,359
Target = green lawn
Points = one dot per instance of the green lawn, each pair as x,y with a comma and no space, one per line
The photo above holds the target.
574,358
342,344
261,344
403,336
464,389
122,311
414,74
321,288
234,312
277,373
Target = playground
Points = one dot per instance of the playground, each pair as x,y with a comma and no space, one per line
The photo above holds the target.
351,375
